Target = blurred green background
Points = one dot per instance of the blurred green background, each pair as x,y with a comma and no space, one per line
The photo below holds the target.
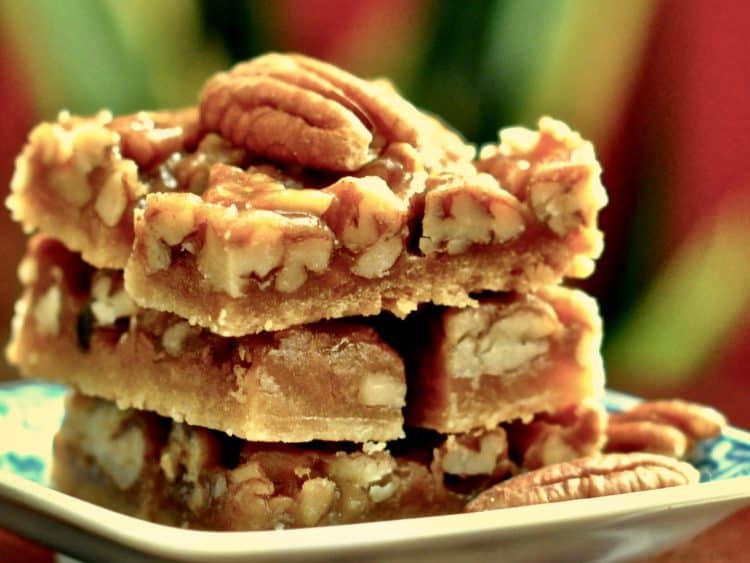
660,87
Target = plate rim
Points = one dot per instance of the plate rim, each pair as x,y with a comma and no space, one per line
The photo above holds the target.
157,540
193,545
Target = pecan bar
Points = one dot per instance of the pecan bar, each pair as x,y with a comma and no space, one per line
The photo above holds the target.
75,324
513,356
297,192
187,476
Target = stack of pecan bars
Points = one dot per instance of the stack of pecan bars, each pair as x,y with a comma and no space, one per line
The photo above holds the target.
306,302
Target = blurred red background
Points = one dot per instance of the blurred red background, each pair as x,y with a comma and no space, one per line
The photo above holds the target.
661,87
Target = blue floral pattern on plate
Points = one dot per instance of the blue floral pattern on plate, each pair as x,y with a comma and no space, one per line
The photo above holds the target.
30,414
725,457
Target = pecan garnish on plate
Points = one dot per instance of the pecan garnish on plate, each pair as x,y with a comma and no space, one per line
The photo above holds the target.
587,477
668,427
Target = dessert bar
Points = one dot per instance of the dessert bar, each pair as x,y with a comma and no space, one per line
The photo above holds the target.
174,473
187,476
233,217
306,302
511,357
75,325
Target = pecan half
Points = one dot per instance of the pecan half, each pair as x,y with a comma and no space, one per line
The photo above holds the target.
669,427
698,422
479,452
296,109
587,477
645,436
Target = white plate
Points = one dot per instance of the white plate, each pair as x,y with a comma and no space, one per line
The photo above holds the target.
603,529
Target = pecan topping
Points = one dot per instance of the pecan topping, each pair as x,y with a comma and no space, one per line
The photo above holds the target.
587,477
149,137
669,427
461,211
553,169
296,109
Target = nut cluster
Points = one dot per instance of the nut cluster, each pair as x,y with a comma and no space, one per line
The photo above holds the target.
95,169
553,169
499,341
275,487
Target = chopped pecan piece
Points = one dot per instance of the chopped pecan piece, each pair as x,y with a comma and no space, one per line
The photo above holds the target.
369,220
461,211
122,443
149,138
569,433
480,452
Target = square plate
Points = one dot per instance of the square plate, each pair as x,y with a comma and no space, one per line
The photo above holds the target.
601,529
